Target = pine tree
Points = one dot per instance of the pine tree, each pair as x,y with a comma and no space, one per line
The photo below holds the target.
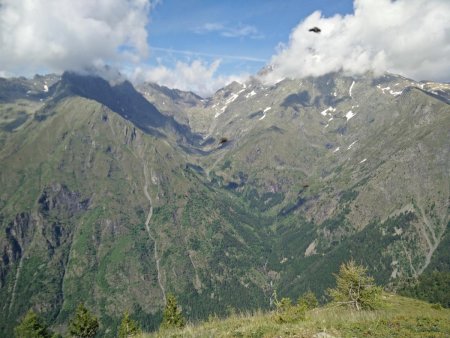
32,326
84,324
172,316
128,327
355,288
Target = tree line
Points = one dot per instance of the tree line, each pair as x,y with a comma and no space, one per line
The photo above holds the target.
84,324
354,289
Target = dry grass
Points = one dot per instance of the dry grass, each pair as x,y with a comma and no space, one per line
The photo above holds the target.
401,317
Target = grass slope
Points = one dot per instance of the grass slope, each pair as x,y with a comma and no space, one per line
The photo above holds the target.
401,317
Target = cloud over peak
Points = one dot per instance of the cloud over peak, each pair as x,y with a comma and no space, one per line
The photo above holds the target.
409,37
197,76
57,35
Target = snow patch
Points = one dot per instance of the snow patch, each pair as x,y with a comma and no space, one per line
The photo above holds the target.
329,109
351,145
363,161
221,111
337,149
252,93
45,88
349,115
232,98
262,117
389,90
267,109
395,93
350,90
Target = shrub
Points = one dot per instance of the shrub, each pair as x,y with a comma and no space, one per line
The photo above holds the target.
286,312
309,300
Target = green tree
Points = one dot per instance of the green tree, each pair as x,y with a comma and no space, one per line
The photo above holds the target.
32,326
309,300
172,316
84,324
128,327
355,288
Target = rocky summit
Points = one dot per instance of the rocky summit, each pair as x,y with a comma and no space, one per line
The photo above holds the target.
116,195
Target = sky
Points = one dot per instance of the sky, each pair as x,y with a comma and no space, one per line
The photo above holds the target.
203,45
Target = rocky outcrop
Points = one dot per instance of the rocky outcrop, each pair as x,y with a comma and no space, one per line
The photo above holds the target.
19,234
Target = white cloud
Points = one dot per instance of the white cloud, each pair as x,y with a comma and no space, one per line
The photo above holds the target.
56,35
409,37
197,76
238,31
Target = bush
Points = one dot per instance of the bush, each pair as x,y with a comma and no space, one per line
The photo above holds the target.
354,288
286,312
84,324
309,300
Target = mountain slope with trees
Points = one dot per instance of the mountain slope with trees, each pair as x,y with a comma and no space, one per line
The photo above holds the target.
108,200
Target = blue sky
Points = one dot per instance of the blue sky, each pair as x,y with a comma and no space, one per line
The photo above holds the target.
243,34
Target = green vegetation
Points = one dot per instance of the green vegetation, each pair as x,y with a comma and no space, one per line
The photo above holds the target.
172,316
401,317
280,208
286,312
432,287
355,289
309,300
32,326
128,327
84,324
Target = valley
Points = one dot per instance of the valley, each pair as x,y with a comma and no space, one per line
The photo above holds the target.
116,195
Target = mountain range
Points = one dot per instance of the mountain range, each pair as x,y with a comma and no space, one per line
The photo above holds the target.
116,195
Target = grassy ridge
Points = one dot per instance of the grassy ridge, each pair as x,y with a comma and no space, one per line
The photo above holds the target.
401,317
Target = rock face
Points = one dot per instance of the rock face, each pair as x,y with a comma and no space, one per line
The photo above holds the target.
18,235
115,197
51,228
